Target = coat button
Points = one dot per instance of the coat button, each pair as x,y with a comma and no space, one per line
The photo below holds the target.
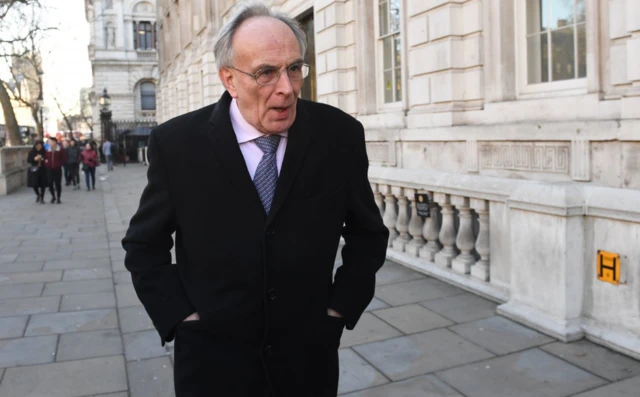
271,232
267,350
272,294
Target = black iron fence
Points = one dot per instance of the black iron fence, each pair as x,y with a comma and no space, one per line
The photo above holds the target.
127,137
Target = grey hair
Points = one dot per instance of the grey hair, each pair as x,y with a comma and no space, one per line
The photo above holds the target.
223,49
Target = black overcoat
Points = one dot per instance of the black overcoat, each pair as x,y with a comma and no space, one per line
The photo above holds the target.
261,284
37,179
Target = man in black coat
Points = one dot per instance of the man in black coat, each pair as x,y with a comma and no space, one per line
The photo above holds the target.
258,188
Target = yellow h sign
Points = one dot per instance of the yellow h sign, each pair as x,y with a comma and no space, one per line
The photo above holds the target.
608,267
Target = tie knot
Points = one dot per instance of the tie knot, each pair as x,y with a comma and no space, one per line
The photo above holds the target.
268,143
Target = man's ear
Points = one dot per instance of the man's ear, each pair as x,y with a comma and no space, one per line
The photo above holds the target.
228,80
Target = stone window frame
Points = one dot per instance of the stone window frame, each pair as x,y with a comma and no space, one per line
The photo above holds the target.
399,104
525,90
143,113
138,26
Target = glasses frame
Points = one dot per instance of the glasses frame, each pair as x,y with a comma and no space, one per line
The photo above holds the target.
278,73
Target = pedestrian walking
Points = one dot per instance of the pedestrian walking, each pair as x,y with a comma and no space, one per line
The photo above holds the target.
65,167
252,301
55,157
37,178
73,163
89,158
106,152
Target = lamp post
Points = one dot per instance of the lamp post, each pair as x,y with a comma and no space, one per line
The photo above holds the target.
105,116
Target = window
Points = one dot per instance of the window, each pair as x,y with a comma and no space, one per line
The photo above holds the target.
108,4
556,46
143,36
148,96
389,38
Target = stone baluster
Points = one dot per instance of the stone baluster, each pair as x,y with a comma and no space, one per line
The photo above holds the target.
431,232
402,223
481,269
390,215
378,198
465,241
415,226
447,231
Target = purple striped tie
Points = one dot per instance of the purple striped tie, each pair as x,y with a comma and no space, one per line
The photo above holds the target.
266,176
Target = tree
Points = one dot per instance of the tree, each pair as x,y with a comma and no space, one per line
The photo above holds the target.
20,30
65,115
27,72
86,111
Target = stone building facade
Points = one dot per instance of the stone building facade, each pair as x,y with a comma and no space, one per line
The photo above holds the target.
124,59
520,120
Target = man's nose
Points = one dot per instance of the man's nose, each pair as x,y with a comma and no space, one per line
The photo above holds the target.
284,85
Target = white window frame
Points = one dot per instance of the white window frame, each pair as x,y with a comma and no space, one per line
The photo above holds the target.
379,60
563,87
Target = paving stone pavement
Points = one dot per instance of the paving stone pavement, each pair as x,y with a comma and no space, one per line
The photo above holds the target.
71,324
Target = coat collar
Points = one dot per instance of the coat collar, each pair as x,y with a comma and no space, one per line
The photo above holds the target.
226,147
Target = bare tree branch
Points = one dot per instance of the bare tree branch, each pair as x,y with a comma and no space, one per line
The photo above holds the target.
65,115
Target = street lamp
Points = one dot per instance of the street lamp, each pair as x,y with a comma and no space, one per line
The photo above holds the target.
105,115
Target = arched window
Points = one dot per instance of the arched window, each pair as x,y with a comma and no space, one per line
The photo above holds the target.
148,96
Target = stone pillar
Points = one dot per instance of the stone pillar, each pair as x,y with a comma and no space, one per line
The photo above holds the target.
465,240
431,232
390,215
193,80
548,272
631,99
336,67
447,231
402,224
415,227
378,198
481,269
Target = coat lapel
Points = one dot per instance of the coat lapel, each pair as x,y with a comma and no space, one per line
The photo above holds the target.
297,145
225,144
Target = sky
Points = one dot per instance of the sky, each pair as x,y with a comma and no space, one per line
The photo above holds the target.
64,54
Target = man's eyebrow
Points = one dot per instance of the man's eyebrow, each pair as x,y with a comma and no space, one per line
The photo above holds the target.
268,66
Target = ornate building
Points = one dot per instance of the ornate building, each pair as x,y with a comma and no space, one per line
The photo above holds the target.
124,59
520,120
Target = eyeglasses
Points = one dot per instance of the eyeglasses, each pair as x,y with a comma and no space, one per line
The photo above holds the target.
270,76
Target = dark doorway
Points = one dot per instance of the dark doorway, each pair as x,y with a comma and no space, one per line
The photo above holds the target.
309,87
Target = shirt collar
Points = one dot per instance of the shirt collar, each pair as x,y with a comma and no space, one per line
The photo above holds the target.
245,132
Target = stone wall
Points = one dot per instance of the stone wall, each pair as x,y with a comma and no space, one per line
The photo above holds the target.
13,168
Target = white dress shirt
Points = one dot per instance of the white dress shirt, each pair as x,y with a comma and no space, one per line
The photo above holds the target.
246,133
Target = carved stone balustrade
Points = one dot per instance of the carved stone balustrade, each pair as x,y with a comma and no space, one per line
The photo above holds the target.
402,224
431,232
465,240
378,198
530,245
447,231
415,226
390,216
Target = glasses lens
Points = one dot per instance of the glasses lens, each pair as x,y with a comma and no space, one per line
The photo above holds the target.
267,76
298,72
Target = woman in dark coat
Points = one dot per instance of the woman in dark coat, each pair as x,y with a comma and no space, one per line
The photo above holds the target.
37,178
